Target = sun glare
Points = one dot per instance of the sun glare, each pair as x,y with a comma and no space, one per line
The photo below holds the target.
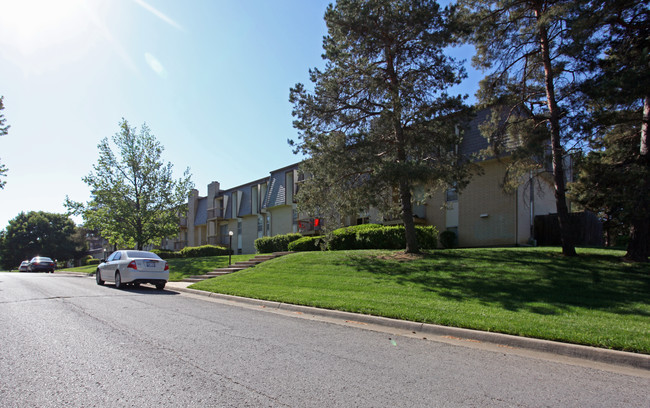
29,25
39,35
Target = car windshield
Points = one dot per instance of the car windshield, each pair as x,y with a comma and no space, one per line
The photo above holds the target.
141,254
41,259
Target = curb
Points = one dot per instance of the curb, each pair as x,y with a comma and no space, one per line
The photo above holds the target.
616,357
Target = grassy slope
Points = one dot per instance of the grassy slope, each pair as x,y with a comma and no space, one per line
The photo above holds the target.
594,299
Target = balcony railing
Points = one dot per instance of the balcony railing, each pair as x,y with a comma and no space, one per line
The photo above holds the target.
215,213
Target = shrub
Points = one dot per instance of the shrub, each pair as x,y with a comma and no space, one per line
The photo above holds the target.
346,238
374,236
427,236
306,244
166,253
86,259
448,239
204,250
93,261
278,243
389,237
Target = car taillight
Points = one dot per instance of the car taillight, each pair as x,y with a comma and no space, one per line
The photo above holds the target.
166,266
132,265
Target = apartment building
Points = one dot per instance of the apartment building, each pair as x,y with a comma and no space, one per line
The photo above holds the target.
481,214
263,207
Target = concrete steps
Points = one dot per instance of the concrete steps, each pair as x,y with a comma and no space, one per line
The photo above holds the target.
236,267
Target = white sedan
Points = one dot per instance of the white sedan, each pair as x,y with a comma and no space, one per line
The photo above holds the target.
133,267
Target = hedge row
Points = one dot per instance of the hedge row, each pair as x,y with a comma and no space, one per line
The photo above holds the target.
307,244
278,243
192,252
367,236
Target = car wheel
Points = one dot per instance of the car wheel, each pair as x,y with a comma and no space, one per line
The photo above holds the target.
118,281
160,286
98,278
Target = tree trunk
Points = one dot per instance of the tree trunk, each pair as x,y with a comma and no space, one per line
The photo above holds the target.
638,248
412,246
404,184
566,233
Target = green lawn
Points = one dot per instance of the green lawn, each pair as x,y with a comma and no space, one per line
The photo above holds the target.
81,269
594,299
180,268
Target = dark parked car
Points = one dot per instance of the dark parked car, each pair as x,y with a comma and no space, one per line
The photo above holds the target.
41,264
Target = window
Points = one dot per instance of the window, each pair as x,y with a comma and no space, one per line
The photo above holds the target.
255,202
268,224
452,193
294,220
223,234
260,226
262,195
288,187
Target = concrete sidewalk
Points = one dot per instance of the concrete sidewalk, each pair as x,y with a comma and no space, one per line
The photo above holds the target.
614,357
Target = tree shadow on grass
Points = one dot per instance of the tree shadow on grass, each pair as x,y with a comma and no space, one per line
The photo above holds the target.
541,282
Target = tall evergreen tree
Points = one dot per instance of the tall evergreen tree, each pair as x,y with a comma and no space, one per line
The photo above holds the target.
379,124
611,40
521,43
610,180
134,199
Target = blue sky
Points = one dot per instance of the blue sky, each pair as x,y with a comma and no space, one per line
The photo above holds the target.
210,78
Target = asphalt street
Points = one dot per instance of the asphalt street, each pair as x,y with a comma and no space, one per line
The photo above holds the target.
68,342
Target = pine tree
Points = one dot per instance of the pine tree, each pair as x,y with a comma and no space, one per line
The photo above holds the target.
521,43
611,40
379,123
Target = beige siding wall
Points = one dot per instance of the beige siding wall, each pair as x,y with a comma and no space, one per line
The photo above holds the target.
281,220
436,214
249,234
200,236
487,214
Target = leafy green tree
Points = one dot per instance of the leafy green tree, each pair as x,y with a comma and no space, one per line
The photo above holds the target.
611,40
38,233
379,124
4,129
521,43
135,200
